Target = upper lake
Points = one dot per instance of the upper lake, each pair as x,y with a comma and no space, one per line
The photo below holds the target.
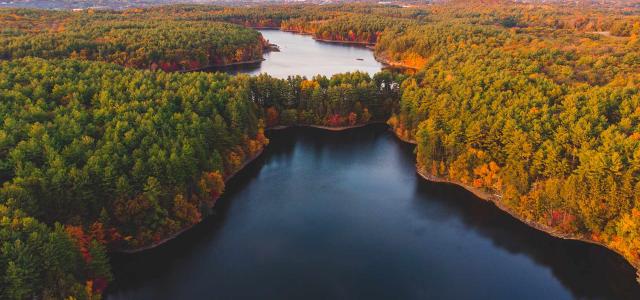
343,215
302,55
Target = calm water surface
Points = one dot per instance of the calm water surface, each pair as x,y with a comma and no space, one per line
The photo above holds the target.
302,55
325,215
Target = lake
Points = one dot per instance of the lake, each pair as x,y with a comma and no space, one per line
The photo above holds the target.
343,215
302,55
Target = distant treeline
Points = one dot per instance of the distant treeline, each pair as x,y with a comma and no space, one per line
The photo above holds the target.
129,41
536,104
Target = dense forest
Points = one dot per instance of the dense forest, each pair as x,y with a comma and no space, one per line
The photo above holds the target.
547,125
126,158
536,106
128,40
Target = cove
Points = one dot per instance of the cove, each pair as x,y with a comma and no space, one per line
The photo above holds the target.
344,215
302,55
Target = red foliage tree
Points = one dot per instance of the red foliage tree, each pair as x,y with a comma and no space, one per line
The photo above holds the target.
334,120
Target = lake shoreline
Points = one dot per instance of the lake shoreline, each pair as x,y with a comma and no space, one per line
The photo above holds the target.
323,127
480,193
183,230
495,199
364,44
371,46
296,31
233,174
408,141
215,66
393,64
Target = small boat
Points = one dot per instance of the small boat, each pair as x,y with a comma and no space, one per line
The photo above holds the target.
359,59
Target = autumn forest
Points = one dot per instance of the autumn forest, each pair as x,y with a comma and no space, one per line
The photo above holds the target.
110,142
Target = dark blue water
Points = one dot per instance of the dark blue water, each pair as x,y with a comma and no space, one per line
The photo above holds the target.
325,215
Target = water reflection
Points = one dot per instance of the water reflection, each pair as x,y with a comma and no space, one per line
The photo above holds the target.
302,55
589,271
343,215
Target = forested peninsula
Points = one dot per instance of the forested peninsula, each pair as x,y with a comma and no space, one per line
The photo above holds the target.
128,39
103,148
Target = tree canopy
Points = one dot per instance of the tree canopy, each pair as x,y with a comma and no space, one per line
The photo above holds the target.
102,149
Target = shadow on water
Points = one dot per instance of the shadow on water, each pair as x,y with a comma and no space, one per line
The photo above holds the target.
236,69
586,271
